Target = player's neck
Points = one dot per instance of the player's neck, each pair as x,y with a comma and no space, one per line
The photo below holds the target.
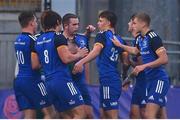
112,29
27,30
134,34
67,35
144,31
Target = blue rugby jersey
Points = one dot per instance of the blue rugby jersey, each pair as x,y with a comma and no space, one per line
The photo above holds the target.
108,59
23,47
46,48
81,41
148,45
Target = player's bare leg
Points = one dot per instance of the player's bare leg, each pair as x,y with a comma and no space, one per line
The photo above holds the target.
78,112
75,113
49,112
108,114
66,115
102,114
142,112
151,110
112,114
29,114
135,112
88,111
162,113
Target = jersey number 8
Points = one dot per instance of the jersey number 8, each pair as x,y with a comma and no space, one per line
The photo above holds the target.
46,57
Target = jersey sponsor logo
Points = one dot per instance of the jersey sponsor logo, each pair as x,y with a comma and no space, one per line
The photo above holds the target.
19,43
44,41
71,102
42,102
159,86
151,98
144,52
113,103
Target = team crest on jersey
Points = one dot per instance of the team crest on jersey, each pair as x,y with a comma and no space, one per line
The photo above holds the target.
82,43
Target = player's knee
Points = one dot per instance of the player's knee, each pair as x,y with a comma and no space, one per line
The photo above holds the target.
112,114
133,115
78,112
149,115
88,112
49,113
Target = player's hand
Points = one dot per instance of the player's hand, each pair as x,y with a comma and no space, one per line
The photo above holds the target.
82,52
78,67
116,42
138,69
90,28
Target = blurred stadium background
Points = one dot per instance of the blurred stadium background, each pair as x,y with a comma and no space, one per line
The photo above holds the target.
165,15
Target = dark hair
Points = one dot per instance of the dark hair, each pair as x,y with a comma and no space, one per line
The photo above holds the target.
132,16
25,17
144,17
110,16
67,17
49,19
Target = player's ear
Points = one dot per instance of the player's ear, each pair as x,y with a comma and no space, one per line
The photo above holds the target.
31,23
58,22
109,23
143,24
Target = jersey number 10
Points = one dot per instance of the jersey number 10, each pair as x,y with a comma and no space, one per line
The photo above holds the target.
20,57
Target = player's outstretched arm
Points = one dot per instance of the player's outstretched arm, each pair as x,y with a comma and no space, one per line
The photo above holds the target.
67,57
129,49
161,60
92,55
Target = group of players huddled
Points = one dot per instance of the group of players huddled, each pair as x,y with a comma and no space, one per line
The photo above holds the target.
63,58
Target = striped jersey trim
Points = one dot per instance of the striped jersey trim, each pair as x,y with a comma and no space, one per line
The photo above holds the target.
152,34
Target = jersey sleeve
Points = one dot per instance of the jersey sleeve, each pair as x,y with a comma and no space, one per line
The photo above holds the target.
156,43
60,40
100,39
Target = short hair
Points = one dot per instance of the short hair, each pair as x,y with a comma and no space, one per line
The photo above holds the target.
25,17
49,19
133,16
110,16
67,17
144,17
